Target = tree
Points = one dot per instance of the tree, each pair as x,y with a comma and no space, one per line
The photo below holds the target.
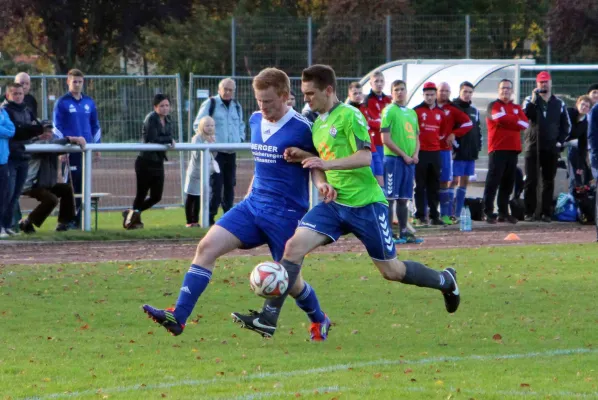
352,38
573,33
81,33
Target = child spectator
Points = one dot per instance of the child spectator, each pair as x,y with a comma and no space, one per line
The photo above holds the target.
205,134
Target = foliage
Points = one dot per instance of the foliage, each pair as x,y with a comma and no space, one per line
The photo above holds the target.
82,33
573,32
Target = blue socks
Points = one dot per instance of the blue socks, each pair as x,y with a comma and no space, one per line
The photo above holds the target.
446,197
195,282
460,201
308,302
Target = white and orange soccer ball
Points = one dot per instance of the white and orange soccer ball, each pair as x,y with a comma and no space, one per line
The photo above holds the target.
269,279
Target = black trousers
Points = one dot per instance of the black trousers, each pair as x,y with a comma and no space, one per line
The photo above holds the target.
548,166
192,208
502,172
427,183
49,199
223,184
150,178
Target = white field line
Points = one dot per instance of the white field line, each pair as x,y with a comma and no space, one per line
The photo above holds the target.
559,394
314,371
265,395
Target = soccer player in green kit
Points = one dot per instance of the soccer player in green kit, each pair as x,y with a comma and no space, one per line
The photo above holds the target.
341,137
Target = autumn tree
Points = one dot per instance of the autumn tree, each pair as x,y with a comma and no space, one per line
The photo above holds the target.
82,33
573,32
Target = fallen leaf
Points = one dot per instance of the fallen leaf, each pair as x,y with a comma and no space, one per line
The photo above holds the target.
297,394
377,375
524,385
355,332
439,382
497,337
163,395
408,371
84,327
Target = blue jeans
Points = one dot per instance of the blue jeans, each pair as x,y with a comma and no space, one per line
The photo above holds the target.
17,170
4,184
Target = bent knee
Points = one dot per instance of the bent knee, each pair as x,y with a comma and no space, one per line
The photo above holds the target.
294,250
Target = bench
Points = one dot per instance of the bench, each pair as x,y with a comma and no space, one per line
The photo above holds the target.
95,202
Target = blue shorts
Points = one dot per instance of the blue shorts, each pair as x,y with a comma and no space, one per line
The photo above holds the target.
377,164
370,224
446,166
398,178
463,168
255,224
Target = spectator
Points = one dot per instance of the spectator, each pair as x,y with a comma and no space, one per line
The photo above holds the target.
577,144
7,131
549,125
41,184
355,97
427,170
400,135
26,128
292,102
205,134
308,113
375,103
505,121
230,128
593,146
466,148
455,124
593,92
158,128
24,80
75,115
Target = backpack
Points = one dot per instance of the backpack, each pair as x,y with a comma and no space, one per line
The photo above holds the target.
476,208
586,204
213,107
517,207
565,209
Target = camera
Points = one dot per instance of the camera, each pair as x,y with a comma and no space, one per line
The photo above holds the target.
541,91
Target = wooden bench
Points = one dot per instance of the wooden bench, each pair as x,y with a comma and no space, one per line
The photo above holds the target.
95,202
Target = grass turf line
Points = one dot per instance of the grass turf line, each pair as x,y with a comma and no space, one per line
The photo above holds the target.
78,328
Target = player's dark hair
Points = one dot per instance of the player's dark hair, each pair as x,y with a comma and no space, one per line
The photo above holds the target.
466,84
505,80
398,82
75,72
593,86
13,85
354,85
159,98
321,75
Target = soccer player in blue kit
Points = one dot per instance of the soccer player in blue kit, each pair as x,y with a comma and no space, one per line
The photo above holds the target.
277,200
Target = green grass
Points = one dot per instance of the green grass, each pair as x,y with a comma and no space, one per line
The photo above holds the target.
159,224
76,331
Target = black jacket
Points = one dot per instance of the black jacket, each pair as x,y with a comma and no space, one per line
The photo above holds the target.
26,128
29,100
47,175
547,120
470,144
579,131
155,132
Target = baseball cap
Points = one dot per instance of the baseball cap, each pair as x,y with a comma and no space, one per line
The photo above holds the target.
543,76
592,87
429,86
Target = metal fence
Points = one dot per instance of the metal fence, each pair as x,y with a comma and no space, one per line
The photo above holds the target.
353,49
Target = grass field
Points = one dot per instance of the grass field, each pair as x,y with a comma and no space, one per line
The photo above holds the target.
526,328
159,224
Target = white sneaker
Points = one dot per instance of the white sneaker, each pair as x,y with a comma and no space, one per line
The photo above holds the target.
11,232
4,234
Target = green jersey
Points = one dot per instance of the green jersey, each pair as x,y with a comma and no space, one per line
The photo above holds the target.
340,133
403,126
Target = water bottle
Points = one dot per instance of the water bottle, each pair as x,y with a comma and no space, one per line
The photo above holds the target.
468,219
465,220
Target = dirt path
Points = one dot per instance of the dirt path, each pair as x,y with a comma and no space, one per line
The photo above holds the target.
73,252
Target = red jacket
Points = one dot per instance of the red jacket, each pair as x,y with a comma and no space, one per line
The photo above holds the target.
374,105
505,122
455,122
430,122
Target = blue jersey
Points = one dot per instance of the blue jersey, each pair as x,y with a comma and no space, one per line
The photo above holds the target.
77,118
277,182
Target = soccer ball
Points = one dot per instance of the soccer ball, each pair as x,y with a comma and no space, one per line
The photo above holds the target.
269,279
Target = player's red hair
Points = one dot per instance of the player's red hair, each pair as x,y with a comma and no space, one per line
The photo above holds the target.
275,78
